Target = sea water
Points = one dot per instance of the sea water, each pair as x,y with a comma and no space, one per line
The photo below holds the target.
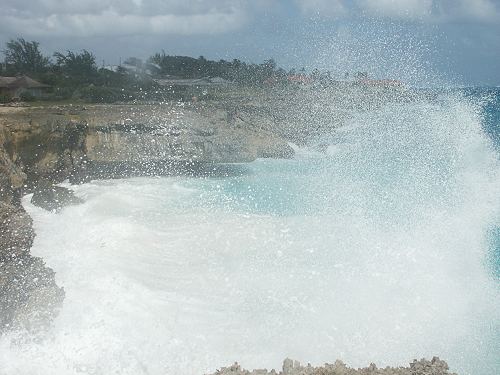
383,248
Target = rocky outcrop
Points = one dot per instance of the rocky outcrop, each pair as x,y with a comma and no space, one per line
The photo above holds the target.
152,136
435,366
29,295
40,147
53,198
42,144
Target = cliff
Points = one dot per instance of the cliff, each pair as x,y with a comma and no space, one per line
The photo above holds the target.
43,146
28,293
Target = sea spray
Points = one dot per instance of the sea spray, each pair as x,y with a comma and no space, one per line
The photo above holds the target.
374,251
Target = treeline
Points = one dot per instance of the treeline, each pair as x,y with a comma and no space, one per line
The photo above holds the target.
76,75
235,70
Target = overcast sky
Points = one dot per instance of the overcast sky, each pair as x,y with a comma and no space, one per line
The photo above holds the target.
419,41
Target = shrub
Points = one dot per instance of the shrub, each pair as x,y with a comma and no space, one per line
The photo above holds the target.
27,96
63,92
97,94
5,98
101,94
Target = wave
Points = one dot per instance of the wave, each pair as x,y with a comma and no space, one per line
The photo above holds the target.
374,250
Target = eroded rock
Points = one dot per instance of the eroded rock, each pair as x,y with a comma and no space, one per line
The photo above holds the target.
53,198
435,366
29,296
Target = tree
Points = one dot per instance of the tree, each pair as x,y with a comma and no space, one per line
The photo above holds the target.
25,57
78,65
269,64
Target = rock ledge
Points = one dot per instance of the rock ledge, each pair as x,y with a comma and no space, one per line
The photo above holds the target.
435,366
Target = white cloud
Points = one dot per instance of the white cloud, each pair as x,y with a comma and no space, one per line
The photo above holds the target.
322,8
120,17
53,18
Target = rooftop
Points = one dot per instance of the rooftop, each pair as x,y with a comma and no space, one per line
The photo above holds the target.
20,81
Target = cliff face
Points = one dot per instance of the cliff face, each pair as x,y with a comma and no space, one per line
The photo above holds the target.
28,293
148,135
43,146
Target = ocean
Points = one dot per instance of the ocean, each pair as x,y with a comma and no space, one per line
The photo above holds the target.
383,247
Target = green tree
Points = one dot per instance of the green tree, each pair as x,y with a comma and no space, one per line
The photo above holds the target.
81,66
24,57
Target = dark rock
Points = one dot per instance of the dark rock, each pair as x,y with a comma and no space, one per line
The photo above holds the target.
29,296
423,367
53,198
16,231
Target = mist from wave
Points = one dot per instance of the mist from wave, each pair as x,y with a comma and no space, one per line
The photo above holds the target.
378,250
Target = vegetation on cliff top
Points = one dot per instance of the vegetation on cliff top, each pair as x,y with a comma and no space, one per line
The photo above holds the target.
77,76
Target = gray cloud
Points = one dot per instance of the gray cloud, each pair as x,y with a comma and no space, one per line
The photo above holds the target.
120,17
193,17
398,9
436,11
453,36
481,11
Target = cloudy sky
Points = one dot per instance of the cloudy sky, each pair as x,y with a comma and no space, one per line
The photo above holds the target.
419,41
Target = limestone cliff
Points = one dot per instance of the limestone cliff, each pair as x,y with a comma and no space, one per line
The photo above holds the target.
28,293
43,146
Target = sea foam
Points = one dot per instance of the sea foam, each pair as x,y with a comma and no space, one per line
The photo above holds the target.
374,251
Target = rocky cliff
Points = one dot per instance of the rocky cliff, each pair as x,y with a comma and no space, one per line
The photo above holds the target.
43,146
28,293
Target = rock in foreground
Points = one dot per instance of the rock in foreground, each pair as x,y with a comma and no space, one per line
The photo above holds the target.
435,366
53,198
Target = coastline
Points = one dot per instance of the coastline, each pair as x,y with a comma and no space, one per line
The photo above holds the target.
41,147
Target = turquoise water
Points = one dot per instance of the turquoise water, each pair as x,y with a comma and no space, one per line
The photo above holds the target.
383,248
491,126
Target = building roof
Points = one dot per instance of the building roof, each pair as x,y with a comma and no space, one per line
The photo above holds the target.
6,81
21,81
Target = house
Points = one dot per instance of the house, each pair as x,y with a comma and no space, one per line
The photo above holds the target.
15,86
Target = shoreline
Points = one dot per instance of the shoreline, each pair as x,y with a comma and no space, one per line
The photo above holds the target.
41,147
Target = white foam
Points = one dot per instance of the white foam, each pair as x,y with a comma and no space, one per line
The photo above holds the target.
379,259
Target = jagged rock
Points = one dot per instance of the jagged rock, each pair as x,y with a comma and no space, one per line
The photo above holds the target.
53,198
16,231
29,297
290,367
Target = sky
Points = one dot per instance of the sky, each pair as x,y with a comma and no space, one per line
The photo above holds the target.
453,42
